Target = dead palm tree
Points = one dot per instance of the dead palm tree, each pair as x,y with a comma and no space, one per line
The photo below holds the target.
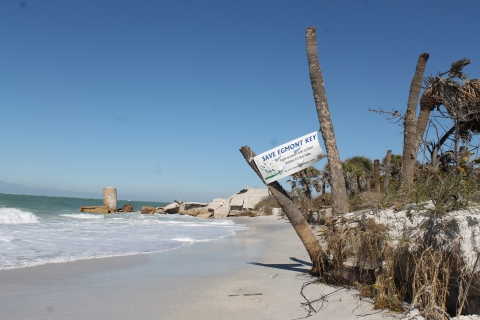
460,97
337,185
395,167
410,132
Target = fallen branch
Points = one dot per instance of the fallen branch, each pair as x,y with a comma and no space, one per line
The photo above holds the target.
308,304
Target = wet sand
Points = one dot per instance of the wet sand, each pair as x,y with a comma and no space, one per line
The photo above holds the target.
255,274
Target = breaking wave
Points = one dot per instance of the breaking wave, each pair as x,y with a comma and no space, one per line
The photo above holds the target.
16,216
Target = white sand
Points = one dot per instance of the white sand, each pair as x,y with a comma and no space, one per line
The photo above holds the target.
193,282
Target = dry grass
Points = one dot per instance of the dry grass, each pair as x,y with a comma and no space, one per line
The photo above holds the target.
425,272
352,253
431,281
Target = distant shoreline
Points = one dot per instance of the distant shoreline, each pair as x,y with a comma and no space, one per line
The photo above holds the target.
87,198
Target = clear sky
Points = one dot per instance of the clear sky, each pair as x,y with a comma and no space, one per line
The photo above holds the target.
155,97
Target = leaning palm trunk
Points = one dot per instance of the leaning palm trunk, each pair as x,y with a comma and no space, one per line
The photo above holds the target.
338,188
296,218
410,146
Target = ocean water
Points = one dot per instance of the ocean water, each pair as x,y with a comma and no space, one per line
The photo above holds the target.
37,230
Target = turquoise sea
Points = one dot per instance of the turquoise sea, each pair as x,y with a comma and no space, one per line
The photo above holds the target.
38,230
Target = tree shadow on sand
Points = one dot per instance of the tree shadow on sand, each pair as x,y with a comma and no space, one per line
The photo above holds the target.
301,266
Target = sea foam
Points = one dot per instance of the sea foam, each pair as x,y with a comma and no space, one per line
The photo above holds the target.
16,216
185,239
84,216
69,236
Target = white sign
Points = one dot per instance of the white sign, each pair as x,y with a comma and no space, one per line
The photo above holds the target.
290,157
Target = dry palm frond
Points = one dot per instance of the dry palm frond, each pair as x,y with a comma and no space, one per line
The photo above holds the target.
459,95
471,90
456,70
471,105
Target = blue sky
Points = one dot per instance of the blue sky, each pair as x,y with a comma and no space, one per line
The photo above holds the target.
156,97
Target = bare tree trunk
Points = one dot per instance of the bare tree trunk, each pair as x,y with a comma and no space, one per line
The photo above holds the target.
376,174
338,188
367,184
410,125
386,179
438,145
427,104
293,214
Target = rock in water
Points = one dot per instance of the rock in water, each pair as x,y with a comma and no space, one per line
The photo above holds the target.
127,208
149,210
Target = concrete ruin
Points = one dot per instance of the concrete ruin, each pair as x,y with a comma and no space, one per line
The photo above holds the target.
110,198
245,199
195,209
109,203
96,209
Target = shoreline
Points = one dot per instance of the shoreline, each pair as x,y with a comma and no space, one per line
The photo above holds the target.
255,274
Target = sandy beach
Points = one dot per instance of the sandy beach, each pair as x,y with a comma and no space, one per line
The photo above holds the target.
255,274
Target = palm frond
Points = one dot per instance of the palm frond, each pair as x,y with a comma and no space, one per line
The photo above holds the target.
456,70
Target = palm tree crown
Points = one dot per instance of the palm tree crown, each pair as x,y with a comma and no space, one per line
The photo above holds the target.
305,180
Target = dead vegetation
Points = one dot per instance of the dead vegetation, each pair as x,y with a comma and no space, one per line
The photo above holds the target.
423,269
360,253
